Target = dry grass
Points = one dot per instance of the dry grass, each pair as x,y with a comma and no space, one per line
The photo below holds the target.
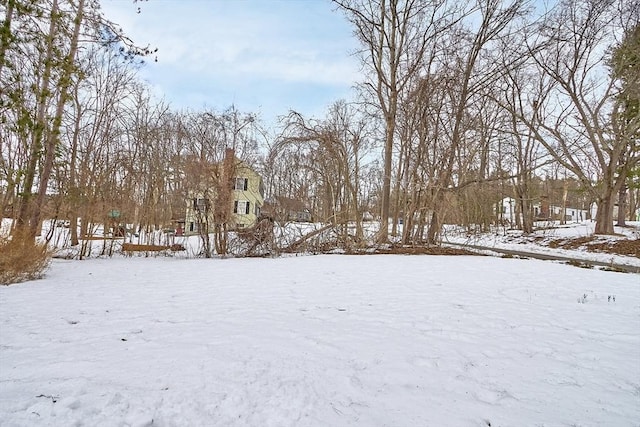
21,259
628,247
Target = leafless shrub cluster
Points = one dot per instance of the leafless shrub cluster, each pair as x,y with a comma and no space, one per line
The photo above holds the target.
255,241
21,259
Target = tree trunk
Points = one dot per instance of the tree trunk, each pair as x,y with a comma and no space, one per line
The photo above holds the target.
434,228
26,199
604,214
527,215
622,206
633,204
565,191
383,233
54,135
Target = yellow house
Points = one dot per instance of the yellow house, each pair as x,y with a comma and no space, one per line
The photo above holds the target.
247,196
234,185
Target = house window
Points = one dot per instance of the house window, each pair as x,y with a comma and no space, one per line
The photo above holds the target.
257,210
241,184
241,207
200,204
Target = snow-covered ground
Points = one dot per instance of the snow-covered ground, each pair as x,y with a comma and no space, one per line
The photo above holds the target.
538,242
328,340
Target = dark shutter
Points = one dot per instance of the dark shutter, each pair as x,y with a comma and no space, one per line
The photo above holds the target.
247,208
235,207
246,185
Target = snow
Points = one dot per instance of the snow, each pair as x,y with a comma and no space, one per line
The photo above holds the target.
539,240
328,340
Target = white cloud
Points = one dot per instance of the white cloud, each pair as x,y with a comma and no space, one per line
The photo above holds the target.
227,38
216,50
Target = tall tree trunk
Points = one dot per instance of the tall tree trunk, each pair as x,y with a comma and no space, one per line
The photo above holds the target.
74,191
383,234
527,214
565,191
26,203
53,136
434,228
622,206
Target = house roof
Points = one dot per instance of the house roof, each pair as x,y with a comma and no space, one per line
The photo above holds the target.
291,204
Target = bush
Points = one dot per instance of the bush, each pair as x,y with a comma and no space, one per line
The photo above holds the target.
22,259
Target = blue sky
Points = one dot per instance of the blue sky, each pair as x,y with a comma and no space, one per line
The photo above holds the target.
266,56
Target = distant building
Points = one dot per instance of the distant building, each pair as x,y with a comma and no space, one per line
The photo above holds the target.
245,199
554,213
541,211
287,209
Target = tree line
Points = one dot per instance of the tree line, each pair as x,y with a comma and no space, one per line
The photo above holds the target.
460,104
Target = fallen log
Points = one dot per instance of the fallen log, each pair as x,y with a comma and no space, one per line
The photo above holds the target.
131,247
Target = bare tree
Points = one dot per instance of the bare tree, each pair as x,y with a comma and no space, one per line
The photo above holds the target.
395,34
95,109
469,69
38,68
524,148
576,107
337,147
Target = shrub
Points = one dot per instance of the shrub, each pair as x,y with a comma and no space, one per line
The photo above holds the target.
22,259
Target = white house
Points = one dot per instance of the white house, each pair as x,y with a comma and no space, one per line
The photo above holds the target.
508,212
574,215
